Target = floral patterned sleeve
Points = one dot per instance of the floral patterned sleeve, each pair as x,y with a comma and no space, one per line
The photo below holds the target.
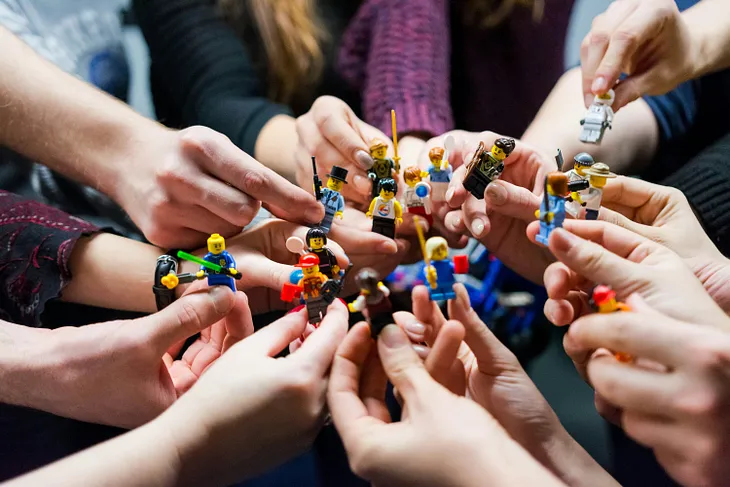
36,242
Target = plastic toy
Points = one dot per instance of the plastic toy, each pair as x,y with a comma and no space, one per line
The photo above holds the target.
603,300
217,265
316,241
373,301
331,196
578,183
385,210
440,171
552,208
439,270
598,119
416,197
485,166
598,176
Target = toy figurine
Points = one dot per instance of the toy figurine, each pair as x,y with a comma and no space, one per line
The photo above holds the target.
416,196
385,210
552,208
598,176
316,241
439,173
382,167
439,270
485,166
578,183
598,119
603,300
373,301
223,268
332,198
309,288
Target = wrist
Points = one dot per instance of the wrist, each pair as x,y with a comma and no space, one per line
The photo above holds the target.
565,458
24,351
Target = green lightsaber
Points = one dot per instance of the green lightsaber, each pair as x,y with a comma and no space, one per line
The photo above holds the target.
207,265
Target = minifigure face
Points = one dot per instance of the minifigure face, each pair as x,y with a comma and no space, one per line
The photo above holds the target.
598,181
581,169
387,195
316,243
498,153
216,244
379,152
411,181
334,184
436,161
440,253
310,271
608,305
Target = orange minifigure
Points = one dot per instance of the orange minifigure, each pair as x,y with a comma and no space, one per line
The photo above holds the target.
309,288
604,301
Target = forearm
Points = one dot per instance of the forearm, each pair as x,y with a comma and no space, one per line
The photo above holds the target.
709,23
573,465
276,145
627,147
508,465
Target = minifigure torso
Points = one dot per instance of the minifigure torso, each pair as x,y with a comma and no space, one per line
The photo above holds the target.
384,208
332,201
224,259
411,199
444,272
382,168
311,285
437,175
326,260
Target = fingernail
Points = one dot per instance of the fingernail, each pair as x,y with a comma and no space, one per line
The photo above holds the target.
388,247
588,100
361,183
363,159
449,194
599,84
477,227
562,240
219,296
421,351
496,194
453,223
416,329
393,337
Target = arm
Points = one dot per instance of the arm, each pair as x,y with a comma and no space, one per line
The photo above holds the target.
207,71
709,22
372,207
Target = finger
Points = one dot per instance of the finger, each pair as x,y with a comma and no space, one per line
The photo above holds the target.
563,312
652,430
259,271
633,88
560,281
201,220
454,222
228,163
338,130
608,411
477,222
632,388
511,200
427,312
272,339
373,385
579,355
457,194
443,354
358,242
186,317
319,348
239,322
415,330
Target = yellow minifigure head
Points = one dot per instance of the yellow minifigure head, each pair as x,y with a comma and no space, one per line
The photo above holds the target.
606,98
599,175
316,238
604,299
337,177
582,163
437,248
436,156
387,188
334,184
502,148
412,176
309,263
378,149
216,244
557,184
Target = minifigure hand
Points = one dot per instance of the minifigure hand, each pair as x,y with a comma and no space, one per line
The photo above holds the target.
369,215
335,270
398,221
232,271
618,41
200,274
549,217
203,184
339,215
402,453
170,281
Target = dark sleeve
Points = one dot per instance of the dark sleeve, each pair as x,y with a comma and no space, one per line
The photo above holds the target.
36,242
205,69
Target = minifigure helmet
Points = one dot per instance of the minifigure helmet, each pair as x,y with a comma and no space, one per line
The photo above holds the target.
603,294
317,232
308,260
584,159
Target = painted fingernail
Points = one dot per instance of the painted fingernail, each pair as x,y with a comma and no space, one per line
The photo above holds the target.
477,227
496,194
363,160
416,329
454,223
393,337
421,351
388,247
599,84
562,240
449,194
361,183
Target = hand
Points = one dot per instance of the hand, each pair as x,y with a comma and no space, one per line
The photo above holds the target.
253,410
332,133
499,222
442,439
196,182
648,40
124,373
678,407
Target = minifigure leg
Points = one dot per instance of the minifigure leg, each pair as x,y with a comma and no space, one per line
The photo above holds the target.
591,214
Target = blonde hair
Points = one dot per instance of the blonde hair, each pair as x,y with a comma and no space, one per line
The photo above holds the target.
434,243
491,13
292,37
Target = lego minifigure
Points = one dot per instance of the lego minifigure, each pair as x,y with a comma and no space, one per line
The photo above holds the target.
416,196
603,300
316,241
385,210
485,166
383,167
552,208
578,183
439,173
598,119
332,198
439,271
598,176
218,256
309,288
373,301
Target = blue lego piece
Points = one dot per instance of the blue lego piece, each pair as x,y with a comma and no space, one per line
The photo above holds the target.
333,202
444,280
557,207
225,260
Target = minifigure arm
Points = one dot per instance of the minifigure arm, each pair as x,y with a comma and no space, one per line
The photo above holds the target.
369,214
340,206
398,211
357,305
384,289
609,116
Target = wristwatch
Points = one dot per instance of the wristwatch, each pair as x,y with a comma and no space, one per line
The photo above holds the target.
166,264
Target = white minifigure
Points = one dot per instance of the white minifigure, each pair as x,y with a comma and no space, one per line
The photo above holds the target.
598,118
416,197
578,183
598,175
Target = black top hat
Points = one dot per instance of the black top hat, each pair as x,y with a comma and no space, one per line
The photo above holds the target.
584,159
338,173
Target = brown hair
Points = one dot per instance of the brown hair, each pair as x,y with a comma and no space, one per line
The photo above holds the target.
558,181
292,37
412,173
491,13
436,153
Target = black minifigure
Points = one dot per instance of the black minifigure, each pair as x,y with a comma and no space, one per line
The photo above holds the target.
373,301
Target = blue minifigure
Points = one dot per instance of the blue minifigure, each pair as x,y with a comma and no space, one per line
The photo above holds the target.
552,208
439,273
332,200
218,255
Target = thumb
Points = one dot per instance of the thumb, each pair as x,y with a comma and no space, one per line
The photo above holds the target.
188,316
404,367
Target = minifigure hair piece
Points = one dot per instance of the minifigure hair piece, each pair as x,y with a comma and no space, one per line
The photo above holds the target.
412,173
558,181
507,145
316,232
437,153
434,243
388,185
377,144
368,279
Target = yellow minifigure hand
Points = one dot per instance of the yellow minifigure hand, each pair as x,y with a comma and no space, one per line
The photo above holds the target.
424,174
369,215
445,165
398,221
232,271
200,274
170,281
351,307
576,197
550,216
396,160
537,213
431,276
335,270
338,215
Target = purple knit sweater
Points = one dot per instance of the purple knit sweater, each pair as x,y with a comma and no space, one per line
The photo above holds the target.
398,54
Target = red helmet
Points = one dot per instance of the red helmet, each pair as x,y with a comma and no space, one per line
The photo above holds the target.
602,294
308,260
